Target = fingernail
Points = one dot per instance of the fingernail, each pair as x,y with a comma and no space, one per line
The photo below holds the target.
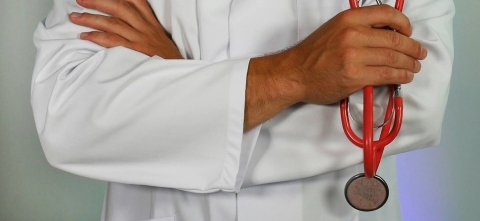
424,52
417,66
409,74
84,35
76,14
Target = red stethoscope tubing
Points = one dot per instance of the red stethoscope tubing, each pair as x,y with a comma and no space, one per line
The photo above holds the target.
398,4
373,150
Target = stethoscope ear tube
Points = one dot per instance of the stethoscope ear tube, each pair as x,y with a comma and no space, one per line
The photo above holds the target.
399,5
373,150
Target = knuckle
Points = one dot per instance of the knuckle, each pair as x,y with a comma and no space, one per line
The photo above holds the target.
119,7
112,39
386,10
348,54
350,75
112,21
395,39
349,34
344,16
125,5
391,57
386,75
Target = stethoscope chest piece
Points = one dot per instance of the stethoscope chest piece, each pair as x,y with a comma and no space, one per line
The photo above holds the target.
366,194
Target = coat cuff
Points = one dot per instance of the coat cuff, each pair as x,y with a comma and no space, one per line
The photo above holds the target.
239,146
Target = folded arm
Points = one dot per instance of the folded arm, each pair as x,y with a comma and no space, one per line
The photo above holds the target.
119,115
114,113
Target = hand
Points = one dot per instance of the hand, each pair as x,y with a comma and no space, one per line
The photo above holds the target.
351,51
133,26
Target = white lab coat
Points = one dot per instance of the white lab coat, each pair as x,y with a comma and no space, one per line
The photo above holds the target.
167,134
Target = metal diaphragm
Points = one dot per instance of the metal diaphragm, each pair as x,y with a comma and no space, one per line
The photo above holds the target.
366,194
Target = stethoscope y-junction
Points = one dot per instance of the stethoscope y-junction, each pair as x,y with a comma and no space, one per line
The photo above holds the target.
368,191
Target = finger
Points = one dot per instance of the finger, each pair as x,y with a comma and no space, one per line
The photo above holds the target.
380,16
105,39
105,23
386,75
381,38
118,8
145,11
390,58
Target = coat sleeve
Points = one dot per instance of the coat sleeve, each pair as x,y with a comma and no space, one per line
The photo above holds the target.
425,99
121,116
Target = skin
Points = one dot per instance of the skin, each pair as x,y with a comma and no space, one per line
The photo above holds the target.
347,53
132,25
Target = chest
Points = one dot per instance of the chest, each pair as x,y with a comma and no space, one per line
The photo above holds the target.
220,29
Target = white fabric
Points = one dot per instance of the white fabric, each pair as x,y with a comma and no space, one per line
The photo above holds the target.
167,134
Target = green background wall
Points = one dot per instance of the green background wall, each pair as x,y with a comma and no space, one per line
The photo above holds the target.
30,189
438,184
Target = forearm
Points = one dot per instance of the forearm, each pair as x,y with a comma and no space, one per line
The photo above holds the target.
122,116
135,119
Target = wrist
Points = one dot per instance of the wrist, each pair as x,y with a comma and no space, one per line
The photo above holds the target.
278,76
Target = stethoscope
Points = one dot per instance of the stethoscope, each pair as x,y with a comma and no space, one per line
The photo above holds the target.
368,191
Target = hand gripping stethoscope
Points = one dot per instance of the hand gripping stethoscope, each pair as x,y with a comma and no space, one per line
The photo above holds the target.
367,191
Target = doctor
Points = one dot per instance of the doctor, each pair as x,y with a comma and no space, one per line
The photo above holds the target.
188,119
